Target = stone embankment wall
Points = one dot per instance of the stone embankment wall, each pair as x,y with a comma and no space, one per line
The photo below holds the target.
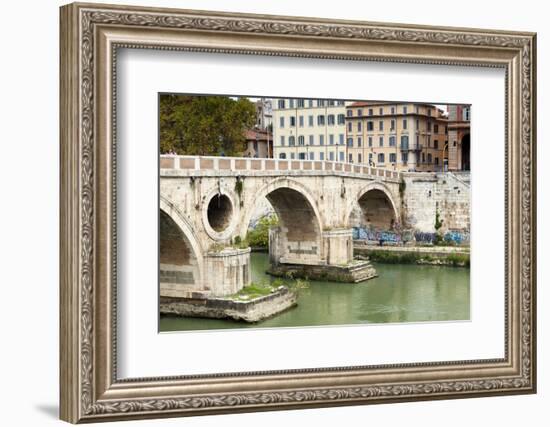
426,194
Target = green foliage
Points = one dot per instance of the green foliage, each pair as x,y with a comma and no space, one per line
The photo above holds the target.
438,221
402,186
239,186
259,236
204,125
459,260
386,257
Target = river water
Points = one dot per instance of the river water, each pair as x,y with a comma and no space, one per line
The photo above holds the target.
400,293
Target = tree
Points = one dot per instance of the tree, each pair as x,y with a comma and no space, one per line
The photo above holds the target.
204,125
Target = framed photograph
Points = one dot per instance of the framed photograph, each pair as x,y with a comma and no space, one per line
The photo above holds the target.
267,212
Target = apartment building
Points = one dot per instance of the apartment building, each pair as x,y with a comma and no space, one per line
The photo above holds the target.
399,136
459,138
312,129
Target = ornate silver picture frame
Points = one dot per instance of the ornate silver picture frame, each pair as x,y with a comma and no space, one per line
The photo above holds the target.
91,390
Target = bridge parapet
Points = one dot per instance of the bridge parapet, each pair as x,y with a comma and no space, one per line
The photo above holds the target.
172,165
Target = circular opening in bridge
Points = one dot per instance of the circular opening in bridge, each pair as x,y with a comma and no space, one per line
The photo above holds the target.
219,212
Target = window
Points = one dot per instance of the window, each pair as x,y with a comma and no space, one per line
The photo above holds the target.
393,110
392,141
404,142
392,124
341,119
381,158
320,120
349,113
311,140
321,139
291,103
281,122
436,128
429,111
436,143
340,103
381,111
301,140
282,155
291,141
330,119
282,140
359,158
371,112
429,126
321,156
393,158
331,139
350,158
417,124
310,102
310,121
359,141
320,103
341,139
404,123
370,158
292,121
301,121
311,156
281,103
381,125
370,126
381,141
370,141
300,103
292,155
359,127
330,102
359,112
429,157
417,109
404,109
436,160
350,142
302,156
350,126
423,157
404,157
331,155
341,153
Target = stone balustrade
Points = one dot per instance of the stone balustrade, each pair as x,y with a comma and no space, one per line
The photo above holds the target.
216,163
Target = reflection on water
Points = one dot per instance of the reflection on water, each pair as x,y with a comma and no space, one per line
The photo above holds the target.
401,293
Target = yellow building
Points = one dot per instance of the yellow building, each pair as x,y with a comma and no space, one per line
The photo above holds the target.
400,136
312,129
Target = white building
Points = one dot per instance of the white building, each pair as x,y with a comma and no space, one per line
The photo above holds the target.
312,129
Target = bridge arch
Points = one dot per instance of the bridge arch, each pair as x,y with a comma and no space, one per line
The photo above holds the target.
299,191
299,235
181,258
376,206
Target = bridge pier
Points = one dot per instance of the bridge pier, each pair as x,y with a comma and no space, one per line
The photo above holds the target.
228,271
332,260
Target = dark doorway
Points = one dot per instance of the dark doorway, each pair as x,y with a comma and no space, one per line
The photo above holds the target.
466,152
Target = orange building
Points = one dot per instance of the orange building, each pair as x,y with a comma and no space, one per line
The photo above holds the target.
400,136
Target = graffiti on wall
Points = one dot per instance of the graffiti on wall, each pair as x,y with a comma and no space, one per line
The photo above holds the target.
455,237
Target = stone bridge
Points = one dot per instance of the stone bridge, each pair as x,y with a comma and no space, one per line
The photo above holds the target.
206,205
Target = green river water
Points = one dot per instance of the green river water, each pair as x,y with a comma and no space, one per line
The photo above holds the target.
400,293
